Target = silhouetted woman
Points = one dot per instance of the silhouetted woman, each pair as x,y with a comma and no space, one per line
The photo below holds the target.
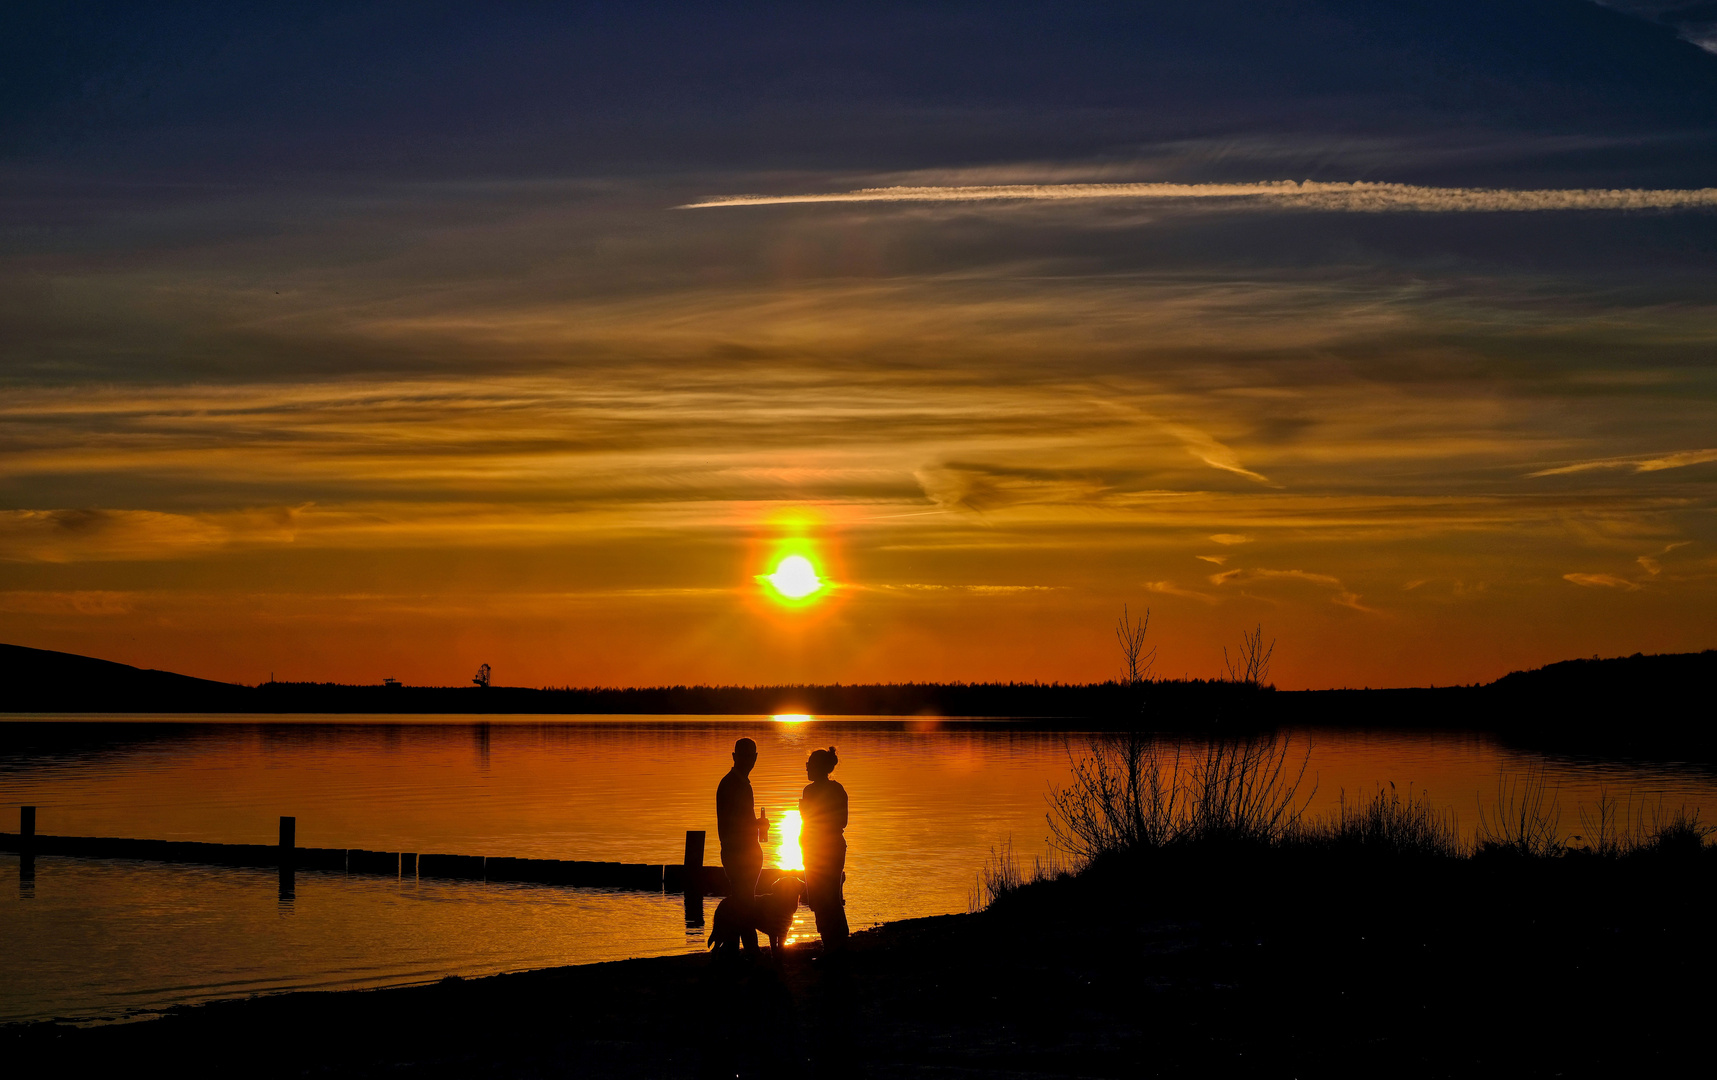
823,843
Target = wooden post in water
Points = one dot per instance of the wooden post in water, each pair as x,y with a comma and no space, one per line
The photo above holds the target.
692,878
26,847
288,856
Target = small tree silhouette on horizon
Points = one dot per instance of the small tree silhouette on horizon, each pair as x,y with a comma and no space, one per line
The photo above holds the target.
1131,636
1252,663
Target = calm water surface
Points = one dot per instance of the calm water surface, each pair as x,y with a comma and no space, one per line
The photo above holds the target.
930,801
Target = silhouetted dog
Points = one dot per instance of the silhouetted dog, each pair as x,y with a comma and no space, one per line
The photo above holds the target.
770,913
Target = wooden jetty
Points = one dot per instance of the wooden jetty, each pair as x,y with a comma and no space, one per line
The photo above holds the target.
690,877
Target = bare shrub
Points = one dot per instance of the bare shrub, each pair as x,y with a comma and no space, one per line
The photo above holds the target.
1126,793
1130,793
1245,790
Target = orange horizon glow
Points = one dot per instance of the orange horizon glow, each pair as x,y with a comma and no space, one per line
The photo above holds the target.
979,468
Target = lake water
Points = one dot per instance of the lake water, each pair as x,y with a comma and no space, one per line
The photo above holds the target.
930,801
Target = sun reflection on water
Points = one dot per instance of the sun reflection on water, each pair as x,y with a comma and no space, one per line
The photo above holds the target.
787,854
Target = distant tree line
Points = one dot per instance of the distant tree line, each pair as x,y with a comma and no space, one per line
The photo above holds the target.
1658,703
1112,699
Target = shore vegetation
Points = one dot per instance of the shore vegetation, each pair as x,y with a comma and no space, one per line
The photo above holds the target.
1135,795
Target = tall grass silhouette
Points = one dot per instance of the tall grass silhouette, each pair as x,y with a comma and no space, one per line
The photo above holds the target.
1003,873
1524,820
1616,827
1390,823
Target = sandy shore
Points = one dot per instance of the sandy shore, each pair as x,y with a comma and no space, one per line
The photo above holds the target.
1258,966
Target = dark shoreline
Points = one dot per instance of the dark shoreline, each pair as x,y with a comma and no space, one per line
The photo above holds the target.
1194,963
1649,702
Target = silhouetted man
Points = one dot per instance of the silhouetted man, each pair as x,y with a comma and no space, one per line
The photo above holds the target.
741,833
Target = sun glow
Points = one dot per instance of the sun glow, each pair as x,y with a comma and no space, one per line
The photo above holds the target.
794,578
791,718
787,854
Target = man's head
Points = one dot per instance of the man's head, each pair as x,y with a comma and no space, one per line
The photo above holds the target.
744,755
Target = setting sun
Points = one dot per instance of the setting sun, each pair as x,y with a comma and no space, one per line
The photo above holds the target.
795,578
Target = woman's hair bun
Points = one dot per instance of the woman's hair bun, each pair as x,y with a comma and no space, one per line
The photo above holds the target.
825,759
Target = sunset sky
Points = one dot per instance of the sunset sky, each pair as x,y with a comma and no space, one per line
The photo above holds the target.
390,340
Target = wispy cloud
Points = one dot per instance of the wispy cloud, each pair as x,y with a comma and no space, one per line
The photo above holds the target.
1677,460
69,602
914,586
1207,449
72,535
978,488
1343,595
1355,196
1601,581
1169,588
1651,564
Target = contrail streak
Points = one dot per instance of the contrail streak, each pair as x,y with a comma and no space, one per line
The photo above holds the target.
1677,460
1358,196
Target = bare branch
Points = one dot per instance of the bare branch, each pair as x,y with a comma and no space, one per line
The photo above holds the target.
1131,636
1252,664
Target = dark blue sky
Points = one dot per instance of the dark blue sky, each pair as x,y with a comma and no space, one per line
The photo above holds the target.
436,90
